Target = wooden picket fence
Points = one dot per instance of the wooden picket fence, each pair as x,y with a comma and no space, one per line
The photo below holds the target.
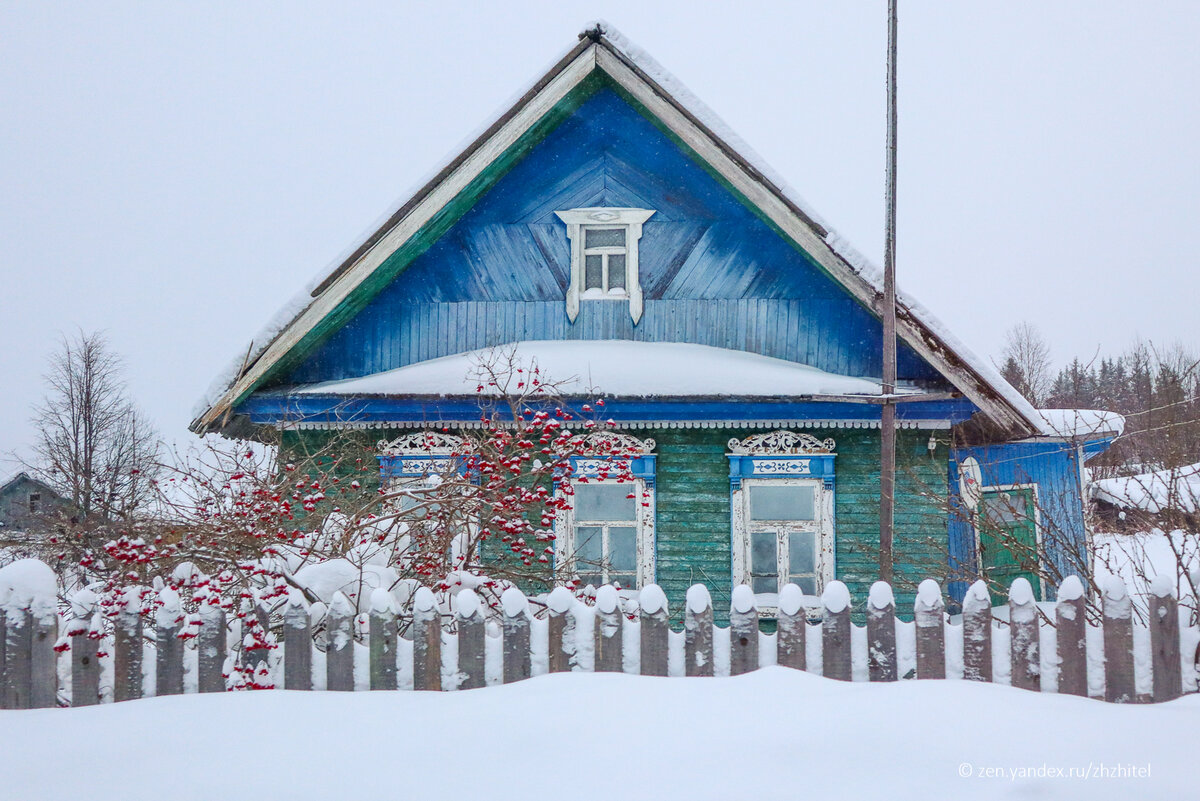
616,635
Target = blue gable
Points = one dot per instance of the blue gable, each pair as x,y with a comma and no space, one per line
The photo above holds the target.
712,271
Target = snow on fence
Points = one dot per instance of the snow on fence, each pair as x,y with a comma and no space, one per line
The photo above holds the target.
1046,647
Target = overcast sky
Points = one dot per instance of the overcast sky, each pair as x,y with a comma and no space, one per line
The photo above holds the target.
172,174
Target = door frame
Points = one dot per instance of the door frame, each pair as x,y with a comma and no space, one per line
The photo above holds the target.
1037,528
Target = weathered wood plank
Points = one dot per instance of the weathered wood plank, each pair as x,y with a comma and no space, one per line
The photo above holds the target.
791,628
383,632
977,633
561,624
18,646
1024,646
607,634
1164,640
471,642
881,633
743,631
1119,684
928,613
168,622
84,630
127,647
1070,622
516,635
698,632
210,644
835,632
427,641
339,650
653,604
297,643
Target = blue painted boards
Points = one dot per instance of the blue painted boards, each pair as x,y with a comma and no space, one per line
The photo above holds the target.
1054,468
712,272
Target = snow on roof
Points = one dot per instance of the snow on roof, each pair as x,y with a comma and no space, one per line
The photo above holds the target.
1081,423
1178,488
613,368
856,261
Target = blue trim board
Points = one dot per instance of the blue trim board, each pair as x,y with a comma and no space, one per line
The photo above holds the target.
273,409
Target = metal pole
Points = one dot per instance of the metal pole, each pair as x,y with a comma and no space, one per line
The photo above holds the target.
887,438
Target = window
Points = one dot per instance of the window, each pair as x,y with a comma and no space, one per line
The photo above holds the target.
604,267
604,256
782,486
606,535
35,500
782,529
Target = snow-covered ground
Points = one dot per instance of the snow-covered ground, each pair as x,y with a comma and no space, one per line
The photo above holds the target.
775,733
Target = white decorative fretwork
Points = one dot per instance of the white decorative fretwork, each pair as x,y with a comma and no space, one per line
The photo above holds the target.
423,443
781,442
791,467
612,443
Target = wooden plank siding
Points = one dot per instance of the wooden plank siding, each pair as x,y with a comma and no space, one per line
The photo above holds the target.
692,498
712,271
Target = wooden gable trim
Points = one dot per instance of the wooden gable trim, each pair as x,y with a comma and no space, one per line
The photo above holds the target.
592,54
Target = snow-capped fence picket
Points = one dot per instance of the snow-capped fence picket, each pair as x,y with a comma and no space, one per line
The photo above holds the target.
1130,651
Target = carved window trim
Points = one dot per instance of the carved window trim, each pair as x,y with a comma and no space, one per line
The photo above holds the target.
595,453
578,222
782,458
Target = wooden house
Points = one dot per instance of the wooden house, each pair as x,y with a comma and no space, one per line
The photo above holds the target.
610,224
28,509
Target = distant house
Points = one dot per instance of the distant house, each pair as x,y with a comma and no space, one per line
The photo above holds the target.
24,501
1166,499
610,224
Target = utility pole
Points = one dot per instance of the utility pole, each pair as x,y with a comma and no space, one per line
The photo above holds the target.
887,427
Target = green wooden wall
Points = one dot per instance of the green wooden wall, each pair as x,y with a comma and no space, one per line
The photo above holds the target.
693,509
694,512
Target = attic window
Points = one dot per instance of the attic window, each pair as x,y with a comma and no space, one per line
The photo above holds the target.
604,256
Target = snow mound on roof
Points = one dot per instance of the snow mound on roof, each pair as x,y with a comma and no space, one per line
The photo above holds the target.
611,367
1178,488
1081,422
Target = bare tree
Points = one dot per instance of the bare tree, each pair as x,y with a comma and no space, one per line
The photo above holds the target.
93,445
1026,361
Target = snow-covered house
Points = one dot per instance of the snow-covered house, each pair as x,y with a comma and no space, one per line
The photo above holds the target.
609,223
27,505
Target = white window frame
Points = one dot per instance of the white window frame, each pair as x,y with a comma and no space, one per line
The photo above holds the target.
600,218
643,524
821,527
782,458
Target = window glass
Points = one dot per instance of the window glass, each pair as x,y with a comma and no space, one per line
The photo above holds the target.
782,503
807,584
605,502
622,546
603,237
616,272
588,552
764,561
1005,507
802,552
593,273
